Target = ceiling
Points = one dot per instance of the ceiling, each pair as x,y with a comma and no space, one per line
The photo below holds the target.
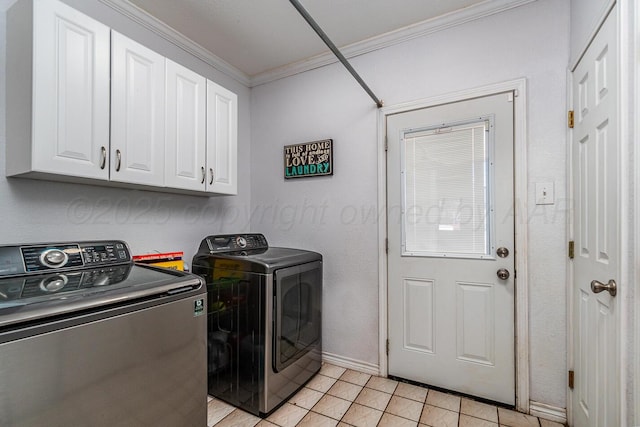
259,36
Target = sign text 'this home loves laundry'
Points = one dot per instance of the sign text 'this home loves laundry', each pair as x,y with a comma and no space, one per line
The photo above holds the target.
308,159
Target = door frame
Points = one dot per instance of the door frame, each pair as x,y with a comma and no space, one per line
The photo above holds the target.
628,274
629,47
634,57
521,302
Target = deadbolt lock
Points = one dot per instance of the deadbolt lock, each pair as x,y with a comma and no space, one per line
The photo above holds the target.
502,252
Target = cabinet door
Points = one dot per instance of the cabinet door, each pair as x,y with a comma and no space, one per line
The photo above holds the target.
137,112
222,140
71,92
185,127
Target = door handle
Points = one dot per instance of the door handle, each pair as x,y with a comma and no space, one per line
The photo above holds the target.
204,175
611,287
503,274
212,176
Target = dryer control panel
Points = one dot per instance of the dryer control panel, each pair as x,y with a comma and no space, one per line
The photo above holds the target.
233,243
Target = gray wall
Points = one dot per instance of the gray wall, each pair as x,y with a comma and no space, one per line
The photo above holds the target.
32,210
585,15
337,215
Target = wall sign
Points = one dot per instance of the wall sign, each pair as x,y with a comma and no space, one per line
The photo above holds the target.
308,159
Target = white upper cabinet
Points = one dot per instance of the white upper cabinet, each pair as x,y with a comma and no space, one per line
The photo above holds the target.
137,112
185,153
60,63
222,140
87,104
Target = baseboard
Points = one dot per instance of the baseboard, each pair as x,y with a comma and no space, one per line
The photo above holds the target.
548,412
346,362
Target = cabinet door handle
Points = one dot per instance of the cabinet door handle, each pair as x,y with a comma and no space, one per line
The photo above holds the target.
204,175
118,160
211,172
103,157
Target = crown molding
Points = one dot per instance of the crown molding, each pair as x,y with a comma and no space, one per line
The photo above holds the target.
478,11
161,29
471,13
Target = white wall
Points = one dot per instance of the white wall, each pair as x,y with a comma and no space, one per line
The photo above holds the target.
337,215
32,210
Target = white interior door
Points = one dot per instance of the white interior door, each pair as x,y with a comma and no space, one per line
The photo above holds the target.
451,231
594,162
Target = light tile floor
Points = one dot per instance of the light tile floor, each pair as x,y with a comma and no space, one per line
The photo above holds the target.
343,397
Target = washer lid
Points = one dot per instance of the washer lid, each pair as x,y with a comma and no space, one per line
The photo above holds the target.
35,297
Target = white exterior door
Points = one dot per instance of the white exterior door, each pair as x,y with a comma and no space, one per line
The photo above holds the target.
451,235
137,112
71,92
222,139
595,156
185,128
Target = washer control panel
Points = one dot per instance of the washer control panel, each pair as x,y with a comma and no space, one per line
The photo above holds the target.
45,257
105,253
234,242
39,258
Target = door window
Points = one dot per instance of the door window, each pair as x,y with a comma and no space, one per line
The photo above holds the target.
446,205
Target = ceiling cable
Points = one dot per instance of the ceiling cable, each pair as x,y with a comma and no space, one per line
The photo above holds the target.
335,50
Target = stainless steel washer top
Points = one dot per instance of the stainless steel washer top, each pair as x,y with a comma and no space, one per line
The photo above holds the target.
44,280
82,326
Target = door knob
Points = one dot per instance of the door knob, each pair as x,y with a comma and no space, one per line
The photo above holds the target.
503,274
611,287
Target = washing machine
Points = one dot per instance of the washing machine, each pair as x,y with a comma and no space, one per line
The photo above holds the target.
89,338
264,320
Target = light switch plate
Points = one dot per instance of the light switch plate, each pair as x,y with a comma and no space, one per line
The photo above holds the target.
544,193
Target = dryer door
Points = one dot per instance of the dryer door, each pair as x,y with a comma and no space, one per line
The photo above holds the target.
297,312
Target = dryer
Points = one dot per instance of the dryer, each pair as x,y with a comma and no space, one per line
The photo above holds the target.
264,320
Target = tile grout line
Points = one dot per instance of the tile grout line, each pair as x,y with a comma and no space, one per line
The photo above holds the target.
353,401
384,411
460,412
